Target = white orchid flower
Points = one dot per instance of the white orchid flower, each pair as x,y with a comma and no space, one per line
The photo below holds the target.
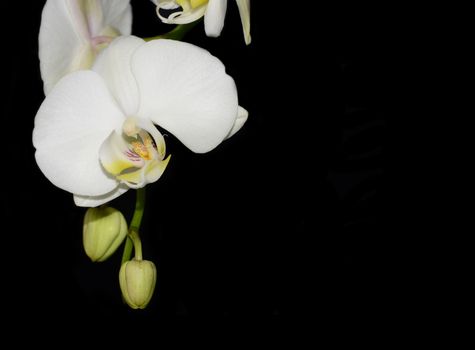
72,33
94,133
213,11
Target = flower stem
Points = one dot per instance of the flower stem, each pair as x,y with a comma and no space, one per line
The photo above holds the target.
176,33
127,250
139,208
133,238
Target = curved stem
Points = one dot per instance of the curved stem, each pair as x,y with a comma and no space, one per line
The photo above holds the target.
127,250
133,238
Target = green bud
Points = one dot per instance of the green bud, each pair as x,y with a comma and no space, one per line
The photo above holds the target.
137,282
104,230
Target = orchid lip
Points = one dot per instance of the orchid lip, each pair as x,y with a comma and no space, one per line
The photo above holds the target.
130,155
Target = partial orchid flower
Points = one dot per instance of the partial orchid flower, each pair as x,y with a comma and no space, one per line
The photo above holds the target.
73,32
213,11
94,133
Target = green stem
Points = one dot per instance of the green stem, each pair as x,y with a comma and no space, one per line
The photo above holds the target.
176,33
134,236
133,239
139,208
127,250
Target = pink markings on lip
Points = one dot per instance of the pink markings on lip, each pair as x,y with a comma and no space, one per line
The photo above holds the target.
134,157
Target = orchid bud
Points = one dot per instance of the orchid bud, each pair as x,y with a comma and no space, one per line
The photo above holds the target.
104,230
137,282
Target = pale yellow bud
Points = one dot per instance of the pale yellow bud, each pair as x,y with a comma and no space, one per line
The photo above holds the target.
103,231
137,280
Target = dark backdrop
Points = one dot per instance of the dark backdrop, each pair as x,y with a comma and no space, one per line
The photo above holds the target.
289,219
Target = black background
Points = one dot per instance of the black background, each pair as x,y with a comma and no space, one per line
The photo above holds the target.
290,219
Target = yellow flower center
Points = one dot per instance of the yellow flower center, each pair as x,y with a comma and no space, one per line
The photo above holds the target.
140,142
143,147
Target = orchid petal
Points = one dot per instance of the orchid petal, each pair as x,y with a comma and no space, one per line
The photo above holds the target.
244,7
113,65
69,31
92,11
239,122
95,201
63,41
214,17
70,127
118,14
185,90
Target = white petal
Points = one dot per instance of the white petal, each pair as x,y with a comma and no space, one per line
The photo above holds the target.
95,201
92,11
245,13
70,127
186,91
214,17
67,30
118,14
63,43
100,14
239,122
113,64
